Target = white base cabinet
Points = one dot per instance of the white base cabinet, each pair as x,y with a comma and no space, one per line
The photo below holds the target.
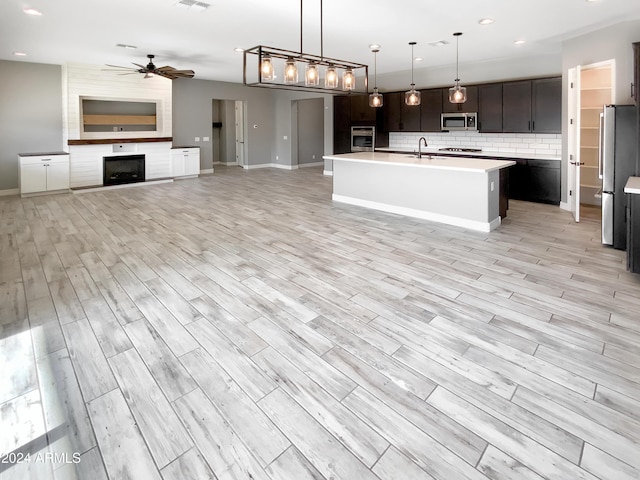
42,173
185,161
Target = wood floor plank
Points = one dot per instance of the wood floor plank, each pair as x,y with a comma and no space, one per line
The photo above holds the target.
520,447
394,465
311,364
91,466
354,434
497,465
179,340
68,306
221,447
162,431
91,367
121,305
18,361
189,466
617,401
604,465
173,301
106,327
238,409
243,371
321,449
124,452
62,402
451,434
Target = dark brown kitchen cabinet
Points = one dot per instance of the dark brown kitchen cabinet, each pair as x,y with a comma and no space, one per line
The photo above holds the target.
361,112
470,106
636,73
633,232
490,107
516,107
398,116
430,110
341,124
535,181
546,105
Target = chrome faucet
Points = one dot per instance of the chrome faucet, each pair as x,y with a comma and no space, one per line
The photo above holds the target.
422,139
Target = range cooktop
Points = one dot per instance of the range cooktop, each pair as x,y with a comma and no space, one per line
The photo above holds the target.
458,149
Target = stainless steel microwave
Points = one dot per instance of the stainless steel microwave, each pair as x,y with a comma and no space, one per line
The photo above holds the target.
363,139
459,121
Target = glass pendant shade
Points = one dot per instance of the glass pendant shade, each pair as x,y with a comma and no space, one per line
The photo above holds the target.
290,71
348,80
266,68
331,77
375,99
311,75
457,94
412,97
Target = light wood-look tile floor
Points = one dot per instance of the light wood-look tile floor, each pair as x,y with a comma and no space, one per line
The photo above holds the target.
243,326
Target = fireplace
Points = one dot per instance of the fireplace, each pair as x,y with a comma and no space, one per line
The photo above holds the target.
123,169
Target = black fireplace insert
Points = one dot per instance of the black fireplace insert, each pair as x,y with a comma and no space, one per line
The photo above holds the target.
122,169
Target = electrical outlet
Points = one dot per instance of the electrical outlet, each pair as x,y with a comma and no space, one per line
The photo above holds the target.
205,139
313,157
197,139
284,137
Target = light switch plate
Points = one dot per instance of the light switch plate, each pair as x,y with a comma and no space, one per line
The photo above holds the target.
205,139
197,139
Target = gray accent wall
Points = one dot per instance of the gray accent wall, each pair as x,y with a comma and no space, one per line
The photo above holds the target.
30,114
310,134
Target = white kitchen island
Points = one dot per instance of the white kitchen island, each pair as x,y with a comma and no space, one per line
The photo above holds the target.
457,191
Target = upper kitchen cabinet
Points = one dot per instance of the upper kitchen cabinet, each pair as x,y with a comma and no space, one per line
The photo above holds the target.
430,110
470,106
341,124
546,101
490,107
398,116
516,107
361,112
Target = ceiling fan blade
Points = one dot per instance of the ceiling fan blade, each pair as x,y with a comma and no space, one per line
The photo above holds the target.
118,66
138,65
184,73
170,76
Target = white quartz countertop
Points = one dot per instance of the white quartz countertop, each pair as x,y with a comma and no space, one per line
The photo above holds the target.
427,161
486,153
633,185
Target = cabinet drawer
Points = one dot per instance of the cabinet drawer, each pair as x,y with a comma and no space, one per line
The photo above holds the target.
555,164
41,159
185,151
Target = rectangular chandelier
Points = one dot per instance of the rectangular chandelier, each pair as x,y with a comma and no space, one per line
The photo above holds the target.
271,67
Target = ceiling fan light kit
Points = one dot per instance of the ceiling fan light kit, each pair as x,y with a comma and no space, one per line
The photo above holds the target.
260,61
457,94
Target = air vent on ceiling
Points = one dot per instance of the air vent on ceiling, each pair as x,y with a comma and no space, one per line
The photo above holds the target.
193,5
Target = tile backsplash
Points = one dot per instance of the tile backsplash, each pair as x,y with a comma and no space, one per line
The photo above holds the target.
531,143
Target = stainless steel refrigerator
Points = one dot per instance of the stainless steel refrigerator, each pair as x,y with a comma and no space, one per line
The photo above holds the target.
617,162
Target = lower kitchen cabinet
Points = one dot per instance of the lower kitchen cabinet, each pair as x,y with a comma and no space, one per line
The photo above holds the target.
633,224
535,181
40,173
185,161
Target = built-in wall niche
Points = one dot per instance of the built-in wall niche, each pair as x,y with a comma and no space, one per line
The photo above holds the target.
118,115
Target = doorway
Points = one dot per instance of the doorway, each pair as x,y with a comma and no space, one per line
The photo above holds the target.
593,88
228,132
308,132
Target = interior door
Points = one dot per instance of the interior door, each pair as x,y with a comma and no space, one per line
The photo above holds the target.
573,142
240,132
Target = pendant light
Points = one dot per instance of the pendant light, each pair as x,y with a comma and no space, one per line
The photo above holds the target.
412,97
348,80
266,68
290,71
331,77
311,75
457,94
375,99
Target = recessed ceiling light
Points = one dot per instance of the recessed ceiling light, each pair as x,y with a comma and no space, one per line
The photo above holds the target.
519,42
374,46
418,59
238,49
32,11
486,21
20,54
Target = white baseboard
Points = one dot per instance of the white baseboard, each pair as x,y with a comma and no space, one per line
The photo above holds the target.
9,191
314,164
206,170
411,212
328,172
565,206
270,165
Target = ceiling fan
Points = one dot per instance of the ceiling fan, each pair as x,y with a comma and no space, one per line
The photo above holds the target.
150,70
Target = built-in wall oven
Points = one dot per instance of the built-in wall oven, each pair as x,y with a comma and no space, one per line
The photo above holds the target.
363,139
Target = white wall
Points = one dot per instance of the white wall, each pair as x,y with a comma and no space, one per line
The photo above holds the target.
609,43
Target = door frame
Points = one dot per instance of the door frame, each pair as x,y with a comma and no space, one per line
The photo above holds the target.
241,136
573,141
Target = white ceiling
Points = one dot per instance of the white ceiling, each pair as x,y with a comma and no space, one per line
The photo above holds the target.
87,31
